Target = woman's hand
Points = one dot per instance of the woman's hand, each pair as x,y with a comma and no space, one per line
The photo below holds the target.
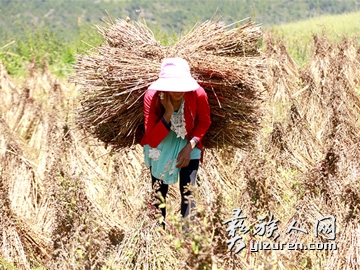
183,158
166,102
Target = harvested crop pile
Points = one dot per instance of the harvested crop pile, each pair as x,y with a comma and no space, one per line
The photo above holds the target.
225,60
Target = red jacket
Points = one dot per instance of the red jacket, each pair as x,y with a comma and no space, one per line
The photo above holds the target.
196,114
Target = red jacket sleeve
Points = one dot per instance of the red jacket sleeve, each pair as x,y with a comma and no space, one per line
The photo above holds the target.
203,120
155,130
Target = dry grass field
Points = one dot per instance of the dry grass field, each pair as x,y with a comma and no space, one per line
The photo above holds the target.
66,202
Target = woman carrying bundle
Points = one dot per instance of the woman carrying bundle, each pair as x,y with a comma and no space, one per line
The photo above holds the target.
176,118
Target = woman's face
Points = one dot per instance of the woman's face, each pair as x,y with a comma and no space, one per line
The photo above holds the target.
176,96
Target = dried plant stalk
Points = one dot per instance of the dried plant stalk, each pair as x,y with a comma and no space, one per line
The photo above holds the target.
225,60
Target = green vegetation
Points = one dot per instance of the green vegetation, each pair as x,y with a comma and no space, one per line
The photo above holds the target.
6,265
298,36
54,31
63,16
45,47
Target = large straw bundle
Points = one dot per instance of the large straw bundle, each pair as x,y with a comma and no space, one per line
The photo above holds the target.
225,60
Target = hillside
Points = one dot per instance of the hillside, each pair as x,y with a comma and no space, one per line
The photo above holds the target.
55,31
64,18
298,36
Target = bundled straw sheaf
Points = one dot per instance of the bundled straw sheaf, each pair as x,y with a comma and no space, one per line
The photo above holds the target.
225,60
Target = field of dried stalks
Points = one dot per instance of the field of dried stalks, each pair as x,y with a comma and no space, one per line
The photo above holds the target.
68,203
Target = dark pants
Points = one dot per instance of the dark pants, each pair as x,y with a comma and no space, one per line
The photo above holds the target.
187,176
